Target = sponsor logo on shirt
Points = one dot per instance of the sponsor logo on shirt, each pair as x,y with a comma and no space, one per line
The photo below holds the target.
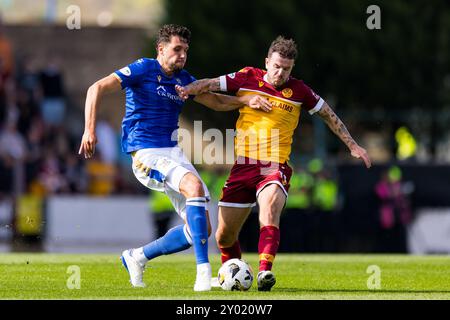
282,106
162,92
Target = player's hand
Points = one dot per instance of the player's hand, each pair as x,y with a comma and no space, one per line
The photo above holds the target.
258,102
88,142
181,91
359,152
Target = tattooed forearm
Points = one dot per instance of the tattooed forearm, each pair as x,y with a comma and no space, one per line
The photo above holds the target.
345,136
202,86
336,125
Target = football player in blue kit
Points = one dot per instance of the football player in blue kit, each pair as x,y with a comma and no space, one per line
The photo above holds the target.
149,135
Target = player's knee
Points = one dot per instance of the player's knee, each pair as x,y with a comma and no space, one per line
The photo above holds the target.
191,186
224,240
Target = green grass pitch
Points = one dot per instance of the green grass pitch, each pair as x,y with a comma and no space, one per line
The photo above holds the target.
299,276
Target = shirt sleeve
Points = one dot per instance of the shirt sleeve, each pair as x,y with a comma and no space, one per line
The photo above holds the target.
232,82
312,101
133,73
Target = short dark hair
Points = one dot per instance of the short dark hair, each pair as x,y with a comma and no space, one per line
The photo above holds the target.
169,30
286,48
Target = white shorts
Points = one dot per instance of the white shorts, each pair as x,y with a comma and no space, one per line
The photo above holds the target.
162,169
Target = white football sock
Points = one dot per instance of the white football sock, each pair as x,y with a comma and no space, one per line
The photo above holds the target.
139,255
204,267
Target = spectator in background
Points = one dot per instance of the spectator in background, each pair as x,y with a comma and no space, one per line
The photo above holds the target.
53,104
394,210
6,68
299,200
6,54
28,80
27,110
51,179
13,153
101,176
35,146
324,194
75,174
109,147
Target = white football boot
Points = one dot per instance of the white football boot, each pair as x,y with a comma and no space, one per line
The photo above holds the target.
203,279
134,268
215,282
266,280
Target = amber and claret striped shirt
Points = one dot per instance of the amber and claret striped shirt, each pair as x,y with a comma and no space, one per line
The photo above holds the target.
268,136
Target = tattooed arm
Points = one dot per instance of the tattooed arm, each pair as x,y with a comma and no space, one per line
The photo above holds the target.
338,127
220,102
198,87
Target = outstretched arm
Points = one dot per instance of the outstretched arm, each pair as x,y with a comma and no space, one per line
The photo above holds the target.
338,127
222,102
198,87
108,84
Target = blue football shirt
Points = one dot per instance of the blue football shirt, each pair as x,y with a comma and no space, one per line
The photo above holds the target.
152,105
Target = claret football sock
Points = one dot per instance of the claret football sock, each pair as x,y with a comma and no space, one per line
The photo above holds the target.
174,240
198,226
231,252
269,240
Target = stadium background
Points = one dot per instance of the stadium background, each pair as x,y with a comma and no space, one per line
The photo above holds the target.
391,87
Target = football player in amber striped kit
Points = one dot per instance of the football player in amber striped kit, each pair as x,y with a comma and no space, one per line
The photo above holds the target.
263,145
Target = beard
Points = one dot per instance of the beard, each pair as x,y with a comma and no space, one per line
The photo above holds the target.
177,66
279,83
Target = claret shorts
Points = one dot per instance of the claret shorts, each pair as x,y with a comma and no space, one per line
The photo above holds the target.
249,177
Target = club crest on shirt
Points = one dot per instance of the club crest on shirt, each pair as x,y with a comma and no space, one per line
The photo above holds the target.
287,92
159,78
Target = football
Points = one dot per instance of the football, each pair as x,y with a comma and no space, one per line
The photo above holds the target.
235,274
